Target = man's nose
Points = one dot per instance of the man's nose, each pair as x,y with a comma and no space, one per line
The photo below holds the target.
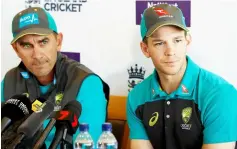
170,49
37,53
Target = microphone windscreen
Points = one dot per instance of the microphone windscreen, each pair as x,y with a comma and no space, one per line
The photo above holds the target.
16,107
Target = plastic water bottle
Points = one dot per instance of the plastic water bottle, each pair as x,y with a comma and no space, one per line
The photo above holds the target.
107,140
84,139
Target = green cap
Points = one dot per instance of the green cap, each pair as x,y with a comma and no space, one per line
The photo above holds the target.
33,20
161,15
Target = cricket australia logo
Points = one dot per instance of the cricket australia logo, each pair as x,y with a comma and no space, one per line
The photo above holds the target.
58,100
136,75
186,116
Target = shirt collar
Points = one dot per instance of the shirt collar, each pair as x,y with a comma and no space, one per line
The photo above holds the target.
26,75
155,86
189,80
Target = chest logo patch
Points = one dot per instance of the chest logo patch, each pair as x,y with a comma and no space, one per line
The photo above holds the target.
186,115
58,100
154,119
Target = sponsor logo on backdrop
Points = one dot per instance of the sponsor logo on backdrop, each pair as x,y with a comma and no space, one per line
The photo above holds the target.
184,5
136,75
57,5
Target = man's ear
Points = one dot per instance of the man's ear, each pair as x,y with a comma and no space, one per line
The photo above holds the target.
14,46
144,48
59,41
188,39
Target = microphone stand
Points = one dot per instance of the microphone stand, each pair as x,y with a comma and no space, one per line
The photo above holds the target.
67,140
45,133
63,138
16,141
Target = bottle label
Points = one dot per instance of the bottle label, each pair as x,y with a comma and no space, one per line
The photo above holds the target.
85,146
107,146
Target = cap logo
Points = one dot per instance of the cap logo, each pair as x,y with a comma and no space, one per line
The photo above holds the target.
28,19
160,11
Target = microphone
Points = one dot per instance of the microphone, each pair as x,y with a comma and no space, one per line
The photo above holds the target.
66,125
10,133
14,109
33,123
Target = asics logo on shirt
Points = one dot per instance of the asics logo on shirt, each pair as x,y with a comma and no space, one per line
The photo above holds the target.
154,119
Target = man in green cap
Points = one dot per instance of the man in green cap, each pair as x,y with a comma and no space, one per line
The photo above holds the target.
45,72
180,105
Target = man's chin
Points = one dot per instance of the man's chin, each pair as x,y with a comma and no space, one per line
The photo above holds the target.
41,74
170,71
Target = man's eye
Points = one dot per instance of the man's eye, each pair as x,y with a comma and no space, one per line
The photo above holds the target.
44,42
159,43
26,46
178,40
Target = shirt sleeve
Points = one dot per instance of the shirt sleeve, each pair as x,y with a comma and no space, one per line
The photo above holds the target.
137,130
94,106
220,115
